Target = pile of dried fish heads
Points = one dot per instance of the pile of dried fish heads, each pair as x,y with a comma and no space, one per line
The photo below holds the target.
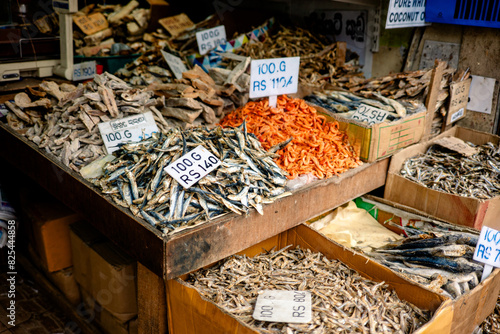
444,170
436,257
247,178
342,300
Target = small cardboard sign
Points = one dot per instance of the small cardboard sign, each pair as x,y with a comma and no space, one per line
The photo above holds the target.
128,129
459,97
175,64
210,39
369,114
176,24
92,23
457,145
193,166
275,76
283,306
488,250
84,71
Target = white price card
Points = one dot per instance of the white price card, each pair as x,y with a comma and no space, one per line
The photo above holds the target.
128,129
457,115
3,110
175,64
275,76
488,250
369,114
193,166
84,71
210,39
283,306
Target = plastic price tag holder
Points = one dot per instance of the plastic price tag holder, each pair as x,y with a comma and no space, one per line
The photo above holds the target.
128,129
210,39
369,114
175,64
193,166
273,77
488,250
283,306
84,71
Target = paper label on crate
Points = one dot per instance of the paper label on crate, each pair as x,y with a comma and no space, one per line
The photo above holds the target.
92,23
274,76
3,110
193,166
175,64
459,97
176,24
210,39
369,114
283,306
488,247
84,71
128,129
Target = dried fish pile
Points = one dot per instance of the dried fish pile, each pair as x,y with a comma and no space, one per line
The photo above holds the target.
492,323
436,256
318,57
316,146
125,24
342,300
444,170
246,178
63,120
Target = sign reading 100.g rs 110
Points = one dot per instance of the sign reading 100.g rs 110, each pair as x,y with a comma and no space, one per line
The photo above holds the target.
274,76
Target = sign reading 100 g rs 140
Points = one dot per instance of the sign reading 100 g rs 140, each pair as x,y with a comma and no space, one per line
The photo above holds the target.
274,76
192,166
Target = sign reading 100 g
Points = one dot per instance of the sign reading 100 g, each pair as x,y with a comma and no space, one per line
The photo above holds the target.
274,76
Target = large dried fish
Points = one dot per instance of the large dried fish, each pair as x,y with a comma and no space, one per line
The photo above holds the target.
342,300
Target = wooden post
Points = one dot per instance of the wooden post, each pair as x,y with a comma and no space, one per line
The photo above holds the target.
152,306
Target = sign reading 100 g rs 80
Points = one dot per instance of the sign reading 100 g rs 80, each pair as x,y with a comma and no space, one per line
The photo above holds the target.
274,76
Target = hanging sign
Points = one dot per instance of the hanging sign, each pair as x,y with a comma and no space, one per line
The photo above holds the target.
405,13
488,250
273,77
128,129
283,306
210,39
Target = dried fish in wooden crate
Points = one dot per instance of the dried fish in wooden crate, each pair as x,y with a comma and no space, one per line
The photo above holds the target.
64,122
492,323
316,146
342,300
441,169
247,178
318,57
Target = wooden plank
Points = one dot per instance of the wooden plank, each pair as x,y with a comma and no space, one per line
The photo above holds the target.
138,238
151,299
209,243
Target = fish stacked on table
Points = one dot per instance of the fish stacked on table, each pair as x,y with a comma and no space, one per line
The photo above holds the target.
316,146
247,178
437,257
63,119
342,300
444,170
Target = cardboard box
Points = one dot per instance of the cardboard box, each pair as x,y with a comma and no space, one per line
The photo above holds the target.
65,281
102,269
189,312
48,221
470,309
381,140
106,320
448,207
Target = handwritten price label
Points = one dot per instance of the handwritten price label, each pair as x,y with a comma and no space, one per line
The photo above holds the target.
210,39
193,166
459,97
274,76
84,71
283,306
92,23
175,64
369,114
127,129
488,250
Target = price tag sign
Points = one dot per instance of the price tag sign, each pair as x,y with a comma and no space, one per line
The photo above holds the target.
92,23
488,250
3,110
272,77
175,64
193,166
210,39
127,129
283,306
84,71
369,114
176,24
459,97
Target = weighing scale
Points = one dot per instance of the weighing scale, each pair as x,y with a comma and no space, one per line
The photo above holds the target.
43,68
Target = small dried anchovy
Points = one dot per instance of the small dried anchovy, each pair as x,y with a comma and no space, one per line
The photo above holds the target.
342,300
